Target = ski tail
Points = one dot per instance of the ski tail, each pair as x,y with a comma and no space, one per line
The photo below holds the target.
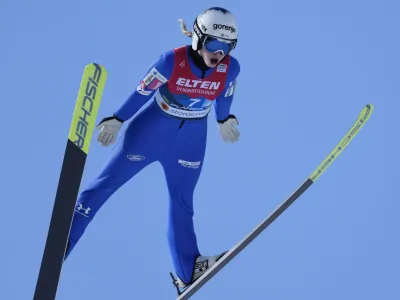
78,144
87,106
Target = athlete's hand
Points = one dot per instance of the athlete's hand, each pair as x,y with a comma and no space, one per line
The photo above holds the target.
109,128
228,130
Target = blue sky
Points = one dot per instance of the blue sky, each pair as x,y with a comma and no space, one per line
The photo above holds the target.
308,68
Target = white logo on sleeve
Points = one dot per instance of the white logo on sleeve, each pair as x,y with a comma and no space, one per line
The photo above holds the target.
231,89
151,82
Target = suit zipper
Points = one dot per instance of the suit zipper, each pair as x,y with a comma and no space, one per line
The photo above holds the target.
203,73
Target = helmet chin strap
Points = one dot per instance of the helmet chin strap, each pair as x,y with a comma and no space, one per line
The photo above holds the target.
198,59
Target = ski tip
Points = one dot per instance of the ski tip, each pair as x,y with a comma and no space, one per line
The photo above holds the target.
366,112
370,106
94,64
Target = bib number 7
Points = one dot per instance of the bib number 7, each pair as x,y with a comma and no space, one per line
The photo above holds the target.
194,101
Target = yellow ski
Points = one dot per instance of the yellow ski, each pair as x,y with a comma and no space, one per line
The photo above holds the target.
361,120
78,143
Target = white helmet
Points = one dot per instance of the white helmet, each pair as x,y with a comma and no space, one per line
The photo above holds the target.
215,23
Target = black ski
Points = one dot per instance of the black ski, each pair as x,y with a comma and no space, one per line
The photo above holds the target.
80,134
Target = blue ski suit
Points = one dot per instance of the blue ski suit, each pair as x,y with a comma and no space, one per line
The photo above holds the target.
171,130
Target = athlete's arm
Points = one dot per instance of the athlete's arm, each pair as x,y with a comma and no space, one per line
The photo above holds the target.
223,103
155,77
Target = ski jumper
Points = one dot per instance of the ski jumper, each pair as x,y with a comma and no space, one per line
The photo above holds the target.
172,130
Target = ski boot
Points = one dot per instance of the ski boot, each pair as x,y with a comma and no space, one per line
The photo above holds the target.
202,264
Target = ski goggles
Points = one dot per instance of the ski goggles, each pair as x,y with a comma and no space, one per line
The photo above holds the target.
214,45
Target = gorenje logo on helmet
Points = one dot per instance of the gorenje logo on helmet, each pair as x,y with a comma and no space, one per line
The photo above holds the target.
225,27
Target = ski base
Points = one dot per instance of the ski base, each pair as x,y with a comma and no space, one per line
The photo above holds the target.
78,143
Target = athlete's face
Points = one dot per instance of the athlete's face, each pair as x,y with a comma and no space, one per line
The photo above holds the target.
211,59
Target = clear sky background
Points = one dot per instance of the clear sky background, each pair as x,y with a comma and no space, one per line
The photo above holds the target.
308,68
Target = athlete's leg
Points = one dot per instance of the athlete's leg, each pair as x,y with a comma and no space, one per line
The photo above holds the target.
117,171
182,165
137,149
